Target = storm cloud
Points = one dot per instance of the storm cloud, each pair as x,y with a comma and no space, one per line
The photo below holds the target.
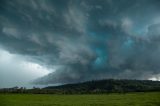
84,39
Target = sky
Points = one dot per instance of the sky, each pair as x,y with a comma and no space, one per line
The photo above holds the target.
46,42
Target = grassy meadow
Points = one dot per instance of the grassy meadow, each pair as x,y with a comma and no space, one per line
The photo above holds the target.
115,99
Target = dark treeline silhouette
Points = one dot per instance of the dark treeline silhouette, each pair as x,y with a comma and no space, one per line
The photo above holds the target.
93,87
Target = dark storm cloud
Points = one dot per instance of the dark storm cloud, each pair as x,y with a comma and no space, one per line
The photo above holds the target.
85,39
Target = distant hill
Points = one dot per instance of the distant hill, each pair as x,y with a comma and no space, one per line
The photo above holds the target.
92,87
107,86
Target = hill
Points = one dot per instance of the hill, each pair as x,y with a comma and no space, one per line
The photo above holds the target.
107,86
92,87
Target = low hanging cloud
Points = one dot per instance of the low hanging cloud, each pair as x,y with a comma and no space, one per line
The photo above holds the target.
84,40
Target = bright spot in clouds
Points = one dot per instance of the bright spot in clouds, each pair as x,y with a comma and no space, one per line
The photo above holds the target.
36,69
155,78
17,71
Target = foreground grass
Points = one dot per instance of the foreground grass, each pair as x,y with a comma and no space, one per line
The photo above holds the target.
129,99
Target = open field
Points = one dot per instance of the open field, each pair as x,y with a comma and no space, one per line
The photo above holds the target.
129,99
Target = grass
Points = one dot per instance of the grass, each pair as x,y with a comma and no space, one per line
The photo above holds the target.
129,99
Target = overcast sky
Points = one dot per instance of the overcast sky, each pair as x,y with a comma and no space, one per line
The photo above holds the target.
66,41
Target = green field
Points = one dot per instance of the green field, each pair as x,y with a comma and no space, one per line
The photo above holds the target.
129,99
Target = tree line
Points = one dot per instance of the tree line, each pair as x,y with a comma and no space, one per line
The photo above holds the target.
92,87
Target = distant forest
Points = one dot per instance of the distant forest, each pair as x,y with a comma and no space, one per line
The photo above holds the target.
93,87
